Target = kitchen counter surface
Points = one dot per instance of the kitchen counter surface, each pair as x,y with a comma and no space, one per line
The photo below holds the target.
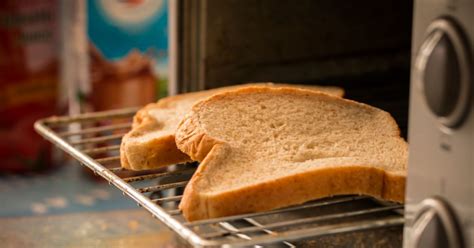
70,208
120,228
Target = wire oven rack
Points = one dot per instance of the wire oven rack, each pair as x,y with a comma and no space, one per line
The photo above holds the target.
94,140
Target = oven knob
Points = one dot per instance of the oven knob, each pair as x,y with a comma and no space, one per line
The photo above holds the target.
436,226
442,72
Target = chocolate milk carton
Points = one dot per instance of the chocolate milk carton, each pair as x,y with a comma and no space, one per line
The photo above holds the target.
114,53
127,46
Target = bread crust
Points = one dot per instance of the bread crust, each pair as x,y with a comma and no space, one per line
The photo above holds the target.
193,140
296,189
394,186
156,153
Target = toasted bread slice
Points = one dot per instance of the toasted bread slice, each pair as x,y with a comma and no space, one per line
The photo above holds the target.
151,142
263,148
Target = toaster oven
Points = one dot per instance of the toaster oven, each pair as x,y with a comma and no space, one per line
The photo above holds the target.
372,67
439,206
369,49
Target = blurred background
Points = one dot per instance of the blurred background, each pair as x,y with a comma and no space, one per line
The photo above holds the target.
71,57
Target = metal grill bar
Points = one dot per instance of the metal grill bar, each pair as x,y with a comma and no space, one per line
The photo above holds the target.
93,151
156,175
117,169
174,212
309,205
255,223
231,229
162,187
97,116
96,140
167,199
108,160
93,130
304,221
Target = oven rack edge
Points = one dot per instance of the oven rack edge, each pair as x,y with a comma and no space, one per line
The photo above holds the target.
183,228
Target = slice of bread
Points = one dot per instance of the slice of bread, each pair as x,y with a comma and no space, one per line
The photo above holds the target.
151,142
263,148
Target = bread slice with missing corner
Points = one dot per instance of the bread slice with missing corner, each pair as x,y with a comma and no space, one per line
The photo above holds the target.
151,142
264,148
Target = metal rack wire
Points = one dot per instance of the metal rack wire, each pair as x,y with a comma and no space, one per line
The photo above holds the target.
94,140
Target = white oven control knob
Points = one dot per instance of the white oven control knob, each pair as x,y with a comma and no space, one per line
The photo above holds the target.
442,72
435,226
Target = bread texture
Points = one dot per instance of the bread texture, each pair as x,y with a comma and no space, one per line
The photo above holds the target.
151,142
263,148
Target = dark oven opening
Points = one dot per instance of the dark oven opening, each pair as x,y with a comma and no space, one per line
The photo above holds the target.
363,47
